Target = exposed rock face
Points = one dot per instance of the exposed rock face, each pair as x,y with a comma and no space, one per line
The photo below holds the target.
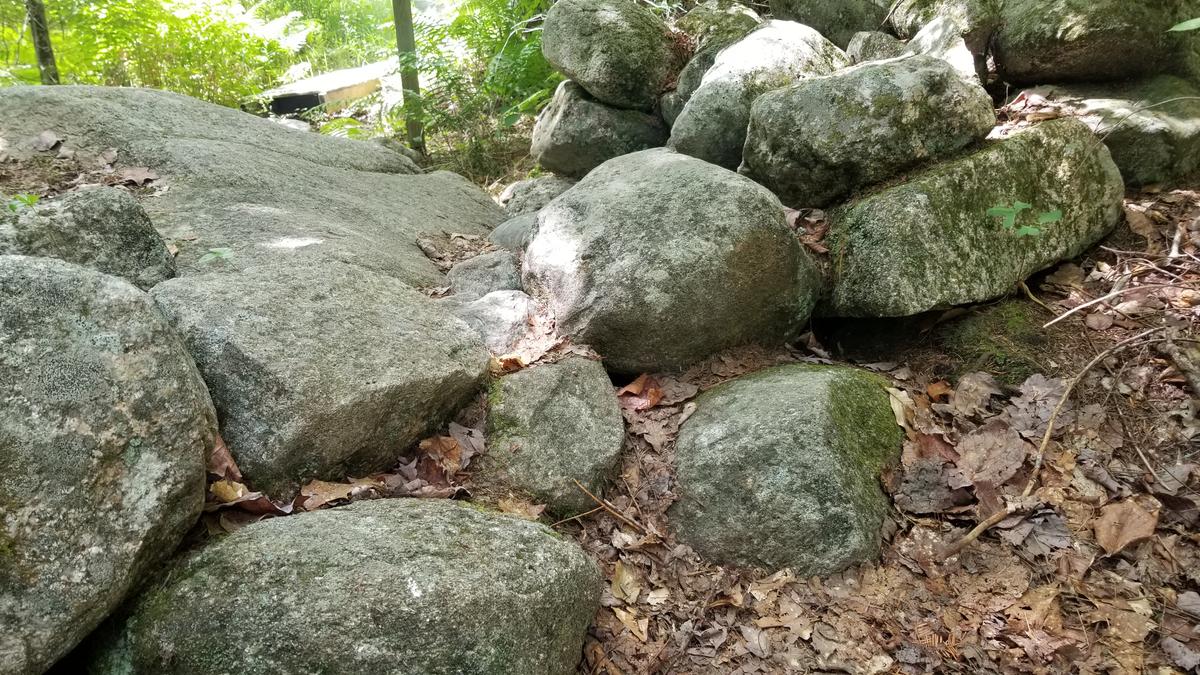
1070,40
436,586
513,234
104,430
712,126
873,46
641,262
823,138
500,318
549,426
264,192
102,228
714,25
781,469
618,50
478,276
322,372
930,243
577,133
837,20
1157,144
530,195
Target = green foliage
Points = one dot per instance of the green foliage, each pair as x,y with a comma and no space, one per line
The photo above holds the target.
1010,213
1191,24
216,255
342,33
21,201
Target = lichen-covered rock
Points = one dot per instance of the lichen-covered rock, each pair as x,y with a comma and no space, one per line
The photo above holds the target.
976,20
942,39
500,318
255,191
837,20
825,137
781,469
487,272
930,242
105,427
531,194
712,126
414,585
640,261
549,426
1069,40
1152,127
577,133
101,228
322,372
618,50
513,234
713,25
873,46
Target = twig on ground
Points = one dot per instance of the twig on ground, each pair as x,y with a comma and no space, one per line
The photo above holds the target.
1011,510
577,516
1029,294
612,510
1110,296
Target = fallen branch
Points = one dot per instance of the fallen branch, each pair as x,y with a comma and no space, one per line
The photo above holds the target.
612,510
1011,510
1110,296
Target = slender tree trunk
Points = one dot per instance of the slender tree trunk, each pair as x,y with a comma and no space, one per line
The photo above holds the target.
40,29
406,43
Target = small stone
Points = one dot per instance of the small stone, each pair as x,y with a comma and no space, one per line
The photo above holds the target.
478,276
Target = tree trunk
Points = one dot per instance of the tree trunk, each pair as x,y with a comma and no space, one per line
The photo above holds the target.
40,29
406,43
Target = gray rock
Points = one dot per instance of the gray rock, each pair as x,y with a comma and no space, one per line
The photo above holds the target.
549,426
713,25
781,469
322,372
977,20
642,263
823,138
514,233
101,228
530,195
395,585
873,46
104,431
712,126
501,318
930,242
1071,40
478,276
1159,144
265,193
618,50
942,39
577,133
837,20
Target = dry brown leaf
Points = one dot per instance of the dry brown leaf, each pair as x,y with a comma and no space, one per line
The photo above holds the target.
522,508
445,451
137,175
639,627
1098,321
221,462
625,583
1124,523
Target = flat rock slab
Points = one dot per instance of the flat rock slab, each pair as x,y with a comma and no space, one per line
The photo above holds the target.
781,468
105,427
930,241
396,585
257,192
322,372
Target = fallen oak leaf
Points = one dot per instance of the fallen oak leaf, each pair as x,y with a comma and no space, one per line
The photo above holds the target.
444,450
1122,524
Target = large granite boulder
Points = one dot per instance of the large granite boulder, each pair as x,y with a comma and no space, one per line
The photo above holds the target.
713,25
514,233
549,426
781,469
618,50
105,427
825,137
487,272
872,45
1152,126
101,228
531,194
976,20
941,238
640,261
943,39
395,585
837,20
1068,40
712,126
576,133
255,191
322,372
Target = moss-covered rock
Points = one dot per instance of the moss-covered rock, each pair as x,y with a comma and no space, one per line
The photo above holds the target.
1152,127
549,426
1072,40
618,50
712,126
714,25
837,20
576,133
642,261
824,137
930,242
105,426
422,586
781,469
